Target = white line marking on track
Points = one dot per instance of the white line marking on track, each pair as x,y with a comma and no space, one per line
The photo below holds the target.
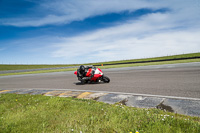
135,94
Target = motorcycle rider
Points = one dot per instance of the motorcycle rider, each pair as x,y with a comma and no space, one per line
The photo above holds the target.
85,73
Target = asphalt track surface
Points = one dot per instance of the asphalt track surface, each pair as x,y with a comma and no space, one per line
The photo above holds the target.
178,80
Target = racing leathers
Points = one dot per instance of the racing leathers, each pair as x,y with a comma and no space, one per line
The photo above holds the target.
85,74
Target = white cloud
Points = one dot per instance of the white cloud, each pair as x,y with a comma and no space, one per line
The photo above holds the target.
153,35
157,34
66,11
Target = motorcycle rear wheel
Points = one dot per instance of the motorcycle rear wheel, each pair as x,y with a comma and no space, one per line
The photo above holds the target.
106,79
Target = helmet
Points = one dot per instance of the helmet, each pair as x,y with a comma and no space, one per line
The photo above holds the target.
82,69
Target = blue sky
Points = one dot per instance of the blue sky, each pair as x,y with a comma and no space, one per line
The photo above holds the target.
76,31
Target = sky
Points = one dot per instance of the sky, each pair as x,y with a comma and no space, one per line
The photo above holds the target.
89,31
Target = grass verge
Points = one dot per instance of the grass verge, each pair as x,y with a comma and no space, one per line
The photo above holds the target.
22,67
36,113
106,67
153,59
41,71
151,63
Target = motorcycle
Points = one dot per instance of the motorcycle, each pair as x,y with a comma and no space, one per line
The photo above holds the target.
98,76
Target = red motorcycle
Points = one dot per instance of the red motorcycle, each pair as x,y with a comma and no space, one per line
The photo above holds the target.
98,76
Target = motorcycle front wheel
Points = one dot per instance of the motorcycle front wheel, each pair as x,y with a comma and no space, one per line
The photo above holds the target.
106,79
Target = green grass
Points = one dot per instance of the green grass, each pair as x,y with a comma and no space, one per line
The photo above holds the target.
36,113
106,67
152,59
40,71
150,63
22,67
